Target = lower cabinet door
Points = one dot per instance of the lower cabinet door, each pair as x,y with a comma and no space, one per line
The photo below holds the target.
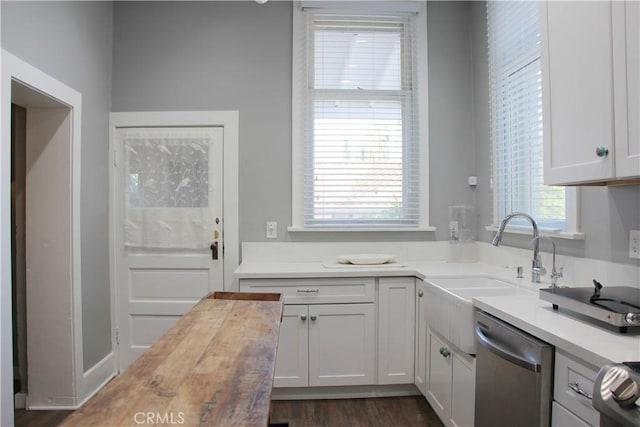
292,366
421,341
463,392
439,375
341,344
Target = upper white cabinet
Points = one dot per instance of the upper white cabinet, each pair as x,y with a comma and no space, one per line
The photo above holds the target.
590,91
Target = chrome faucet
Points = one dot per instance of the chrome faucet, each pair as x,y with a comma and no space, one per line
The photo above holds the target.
536,263
555,274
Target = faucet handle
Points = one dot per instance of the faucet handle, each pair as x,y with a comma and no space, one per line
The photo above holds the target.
539,270
519,270
556,274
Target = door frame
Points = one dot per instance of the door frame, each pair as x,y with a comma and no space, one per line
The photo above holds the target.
40,84
229,121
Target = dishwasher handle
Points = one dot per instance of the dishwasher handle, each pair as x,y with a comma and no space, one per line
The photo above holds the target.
506,354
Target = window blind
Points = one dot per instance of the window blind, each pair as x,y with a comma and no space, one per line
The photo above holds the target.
516,116
360,149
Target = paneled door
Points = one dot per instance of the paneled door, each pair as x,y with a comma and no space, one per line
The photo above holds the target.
168,228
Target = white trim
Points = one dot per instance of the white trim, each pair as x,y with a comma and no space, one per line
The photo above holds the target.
97,377
344,392
293,229
13,68
298,115
550,233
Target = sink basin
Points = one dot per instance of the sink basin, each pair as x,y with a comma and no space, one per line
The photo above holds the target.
468,294
449,310
469,282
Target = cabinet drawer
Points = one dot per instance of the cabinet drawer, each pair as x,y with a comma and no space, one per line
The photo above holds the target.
561,417
570,375
315,291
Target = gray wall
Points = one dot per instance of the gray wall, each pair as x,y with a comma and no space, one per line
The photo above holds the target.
237,56
72,42
607,214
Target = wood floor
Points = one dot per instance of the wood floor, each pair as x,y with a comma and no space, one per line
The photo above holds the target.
39,418
386,411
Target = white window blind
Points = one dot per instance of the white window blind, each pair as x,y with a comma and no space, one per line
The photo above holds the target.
360,136
516,116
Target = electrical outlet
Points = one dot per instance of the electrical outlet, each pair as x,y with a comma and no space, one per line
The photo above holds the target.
272,229
634,244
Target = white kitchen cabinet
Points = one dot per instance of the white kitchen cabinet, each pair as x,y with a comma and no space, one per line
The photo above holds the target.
292,359
396,330
590,109
342,344
323,344
562,417
626,18
450,382
421,350
573,382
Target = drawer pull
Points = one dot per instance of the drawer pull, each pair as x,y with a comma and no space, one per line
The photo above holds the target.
308,291
445,352
576,388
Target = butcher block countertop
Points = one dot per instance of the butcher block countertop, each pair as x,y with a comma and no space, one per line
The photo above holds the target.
214,367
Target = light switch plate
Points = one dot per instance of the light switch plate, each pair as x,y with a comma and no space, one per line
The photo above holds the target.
634,244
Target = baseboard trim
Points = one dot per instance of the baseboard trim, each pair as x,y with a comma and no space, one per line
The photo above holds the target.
346,392
20,401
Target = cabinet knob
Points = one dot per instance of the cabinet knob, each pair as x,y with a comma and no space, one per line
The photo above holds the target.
602,151
303,317
420,293
313,317
445,352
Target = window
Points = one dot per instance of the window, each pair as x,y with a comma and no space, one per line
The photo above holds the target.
516,119
359,144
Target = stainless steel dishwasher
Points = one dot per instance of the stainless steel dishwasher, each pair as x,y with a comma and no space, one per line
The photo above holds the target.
514,376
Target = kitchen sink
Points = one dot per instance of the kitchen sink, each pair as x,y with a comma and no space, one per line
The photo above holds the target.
470,282
449,310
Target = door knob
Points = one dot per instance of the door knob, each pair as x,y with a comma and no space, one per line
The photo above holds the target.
313,317
303,317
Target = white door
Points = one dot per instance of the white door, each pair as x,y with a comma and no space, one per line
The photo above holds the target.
168,228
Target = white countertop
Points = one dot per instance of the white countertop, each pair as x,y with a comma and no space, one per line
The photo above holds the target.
594,345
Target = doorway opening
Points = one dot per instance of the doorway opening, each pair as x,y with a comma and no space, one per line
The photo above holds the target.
41,261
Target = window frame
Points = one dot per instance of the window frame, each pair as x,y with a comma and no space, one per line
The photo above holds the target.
572,219
299,113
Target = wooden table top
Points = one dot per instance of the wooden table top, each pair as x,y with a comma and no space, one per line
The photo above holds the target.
214,367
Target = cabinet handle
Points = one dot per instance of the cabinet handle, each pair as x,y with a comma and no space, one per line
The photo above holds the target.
576,388
308,291
313,317
445,352
602,151
303,317
420,293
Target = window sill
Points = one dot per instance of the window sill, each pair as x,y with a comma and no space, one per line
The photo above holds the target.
568,235
293,229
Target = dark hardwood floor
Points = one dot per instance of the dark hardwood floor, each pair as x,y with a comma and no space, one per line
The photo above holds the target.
386,411
39,418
